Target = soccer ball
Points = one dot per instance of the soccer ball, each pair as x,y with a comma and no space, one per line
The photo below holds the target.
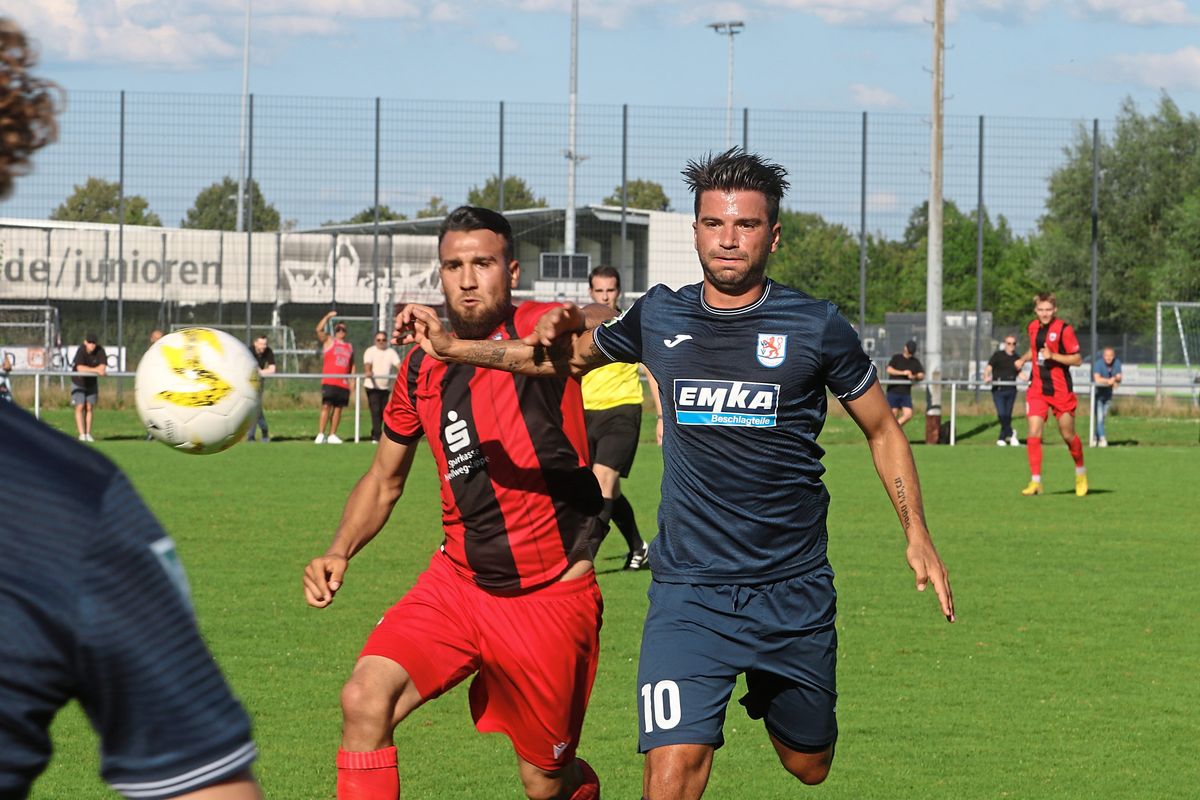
198,390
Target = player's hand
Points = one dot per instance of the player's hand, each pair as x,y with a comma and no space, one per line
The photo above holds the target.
556,325
420,325
322,579
928,568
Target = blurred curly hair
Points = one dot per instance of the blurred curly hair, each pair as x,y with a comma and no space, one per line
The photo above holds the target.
28,106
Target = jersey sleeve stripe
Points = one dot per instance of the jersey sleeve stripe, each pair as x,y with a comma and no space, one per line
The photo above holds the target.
223,767
863,384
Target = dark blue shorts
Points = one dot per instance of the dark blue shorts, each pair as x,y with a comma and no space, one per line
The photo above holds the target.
897,400
698,639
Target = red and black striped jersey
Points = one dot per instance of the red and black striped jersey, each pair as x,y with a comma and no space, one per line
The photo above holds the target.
519,501
1051,378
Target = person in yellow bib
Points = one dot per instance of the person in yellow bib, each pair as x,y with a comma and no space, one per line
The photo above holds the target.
612,403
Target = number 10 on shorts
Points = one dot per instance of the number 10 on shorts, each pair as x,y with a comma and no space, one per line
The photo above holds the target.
660,705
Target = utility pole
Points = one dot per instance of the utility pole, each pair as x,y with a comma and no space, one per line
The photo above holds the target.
242,122
933,283
572,157
731,28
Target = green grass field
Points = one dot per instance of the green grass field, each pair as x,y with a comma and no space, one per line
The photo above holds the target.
1071,673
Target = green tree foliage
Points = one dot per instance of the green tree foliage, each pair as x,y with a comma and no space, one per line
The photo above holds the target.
640,194
98,200
368,215
819,258
1149,236
435,208
215,208
517,194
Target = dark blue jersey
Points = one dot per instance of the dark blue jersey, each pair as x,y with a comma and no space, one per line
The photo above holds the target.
743,399
93,606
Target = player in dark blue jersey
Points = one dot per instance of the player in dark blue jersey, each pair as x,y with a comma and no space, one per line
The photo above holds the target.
93,602
741,580
94,607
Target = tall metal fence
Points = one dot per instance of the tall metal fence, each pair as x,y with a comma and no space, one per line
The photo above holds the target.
319,160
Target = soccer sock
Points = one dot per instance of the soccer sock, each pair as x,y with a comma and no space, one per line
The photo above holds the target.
622,515
590,788
367,775
1034,450
1076,447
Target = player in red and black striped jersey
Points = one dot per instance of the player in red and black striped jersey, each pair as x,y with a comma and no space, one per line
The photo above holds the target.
510,596
1053,350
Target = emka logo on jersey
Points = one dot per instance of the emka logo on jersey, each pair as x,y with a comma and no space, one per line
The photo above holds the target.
772,349
737,403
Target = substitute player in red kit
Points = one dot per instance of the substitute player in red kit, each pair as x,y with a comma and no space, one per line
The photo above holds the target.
1053,349
510,596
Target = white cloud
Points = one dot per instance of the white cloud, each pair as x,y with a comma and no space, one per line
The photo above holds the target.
501,43
445,12
1139,12
298,25
1178,70
864,96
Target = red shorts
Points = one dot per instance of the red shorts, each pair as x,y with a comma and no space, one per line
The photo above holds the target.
535,654
1039,405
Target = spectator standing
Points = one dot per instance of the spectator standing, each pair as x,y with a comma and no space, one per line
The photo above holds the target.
265,357
909,369
1002,369
1106,376
91,361
379,360
335,392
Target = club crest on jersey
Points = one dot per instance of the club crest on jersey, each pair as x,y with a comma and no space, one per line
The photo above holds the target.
726,403
1052,336
772,349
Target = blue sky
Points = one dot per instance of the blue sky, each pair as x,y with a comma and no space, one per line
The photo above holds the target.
1036,58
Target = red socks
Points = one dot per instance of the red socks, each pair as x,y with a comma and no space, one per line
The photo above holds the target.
1033,447
367,776
590,788
1076,448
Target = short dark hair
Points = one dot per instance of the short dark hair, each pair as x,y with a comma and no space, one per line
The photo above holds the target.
605,272
737,170
1045,297
28,106
477,218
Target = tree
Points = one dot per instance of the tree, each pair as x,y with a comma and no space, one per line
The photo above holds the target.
517,194
1149,181
98,200
368,215
820,258
435,208
640,194
215,208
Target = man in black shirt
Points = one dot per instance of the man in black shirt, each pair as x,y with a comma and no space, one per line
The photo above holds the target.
91,359
265,357
908,369
1002,368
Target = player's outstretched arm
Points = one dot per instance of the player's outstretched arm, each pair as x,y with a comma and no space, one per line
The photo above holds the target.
367,509
561,343
894,463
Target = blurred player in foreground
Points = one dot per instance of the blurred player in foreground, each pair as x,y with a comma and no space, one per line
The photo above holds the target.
1054,349
510,596
741,580
93,600
612,403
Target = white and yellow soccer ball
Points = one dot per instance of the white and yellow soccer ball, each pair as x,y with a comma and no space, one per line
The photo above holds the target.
198,390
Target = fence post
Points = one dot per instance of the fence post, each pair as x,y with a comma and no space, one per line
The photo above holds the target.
862,234
375,231
121,235
500,170
249,208
624,182
745,128
978,259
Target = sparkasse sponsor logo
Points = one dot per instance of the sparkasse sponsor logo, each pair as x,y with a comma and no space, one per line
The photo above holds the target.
729,403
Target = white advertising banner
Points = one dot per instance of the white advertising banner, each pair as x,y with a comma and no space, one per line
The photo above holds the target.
69,263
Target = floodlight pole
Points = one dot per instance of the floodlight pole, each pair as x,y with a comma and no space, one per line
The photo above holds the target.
242,122
731,28
572,157
933,282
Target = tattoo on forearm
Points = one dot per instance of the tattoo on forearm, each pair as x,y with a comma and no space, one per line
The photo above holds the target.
902,503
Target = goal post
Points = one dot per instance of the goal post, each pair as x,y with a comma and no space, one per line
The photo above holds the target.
1176,341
